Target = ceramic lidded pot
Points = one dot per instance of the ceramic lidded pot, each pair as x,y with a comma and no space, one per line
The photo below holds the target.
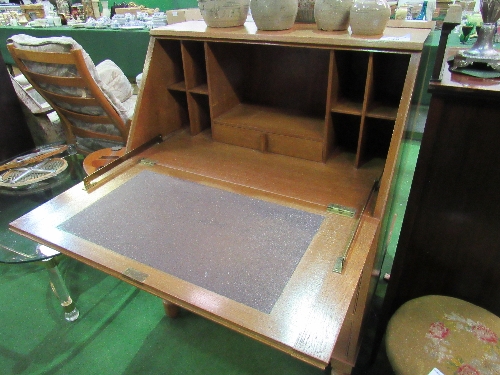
306,11
369,17
224,13
274,14
332,15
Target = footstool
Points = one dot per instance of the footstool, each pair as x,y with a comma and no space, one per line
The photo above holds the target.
443,333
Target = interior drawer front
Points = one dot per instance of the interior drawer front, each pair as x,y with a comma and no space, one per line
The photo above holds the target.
296,147
238,136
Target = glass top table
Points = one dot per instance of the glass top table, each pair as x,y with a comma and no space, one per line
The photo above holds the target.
18,199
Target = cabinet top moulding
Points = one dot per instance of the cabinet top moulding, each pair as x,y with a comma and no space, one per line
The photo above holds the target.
394,38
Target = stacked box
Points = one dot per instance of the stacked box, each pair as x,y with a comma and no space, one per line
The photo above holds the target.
175,16
33,11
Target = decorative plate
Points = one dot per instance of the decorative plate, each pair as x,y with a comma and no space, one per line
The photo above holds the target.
30,174
34,156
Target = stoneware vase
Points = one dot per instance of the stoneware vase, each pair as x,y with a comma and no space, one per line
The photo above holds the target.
332,15
306,11
224,13
274,14
369,17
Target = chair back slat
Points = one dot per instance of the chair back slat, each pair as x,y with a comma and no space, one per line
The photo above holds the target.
84,133
72,100
59,81
94,119
45,57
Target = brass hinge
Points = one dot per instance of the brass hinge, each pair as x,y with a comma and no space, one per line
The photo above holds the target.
135,275
147,162
341,210
339,264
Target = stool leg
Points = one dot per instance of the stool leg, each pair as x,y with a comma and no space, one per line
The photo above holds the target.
171,310
59,288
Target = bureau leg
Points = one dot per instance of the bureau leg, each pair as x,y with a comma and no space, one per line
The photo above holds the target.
339,368
171,310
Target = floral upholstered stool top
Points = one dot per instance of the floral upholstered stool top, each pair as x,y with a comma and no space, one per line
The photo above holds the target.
443,333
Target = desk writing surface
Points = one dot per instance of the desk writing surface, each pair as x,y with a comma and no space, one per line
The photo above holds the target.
306,318
242,248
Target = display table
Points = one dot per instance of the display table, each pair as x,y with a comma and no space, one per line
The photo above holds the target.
15,249
18,201
261,207
127,48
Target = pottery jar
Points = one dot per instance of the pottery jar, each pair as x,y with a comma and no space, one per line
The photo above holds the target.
332,14
224,13
274,14
369,17
88,10
306,11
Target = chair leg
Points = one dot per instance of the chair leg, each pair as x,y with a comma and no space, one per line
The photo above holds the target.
171,310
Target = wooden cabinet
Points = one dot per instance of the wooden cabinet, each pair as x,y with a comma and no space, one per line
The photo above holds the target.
304,119
449,242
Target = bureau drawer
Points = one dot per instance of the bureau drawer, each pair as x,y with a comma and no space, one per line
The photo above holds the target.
297,147
238,136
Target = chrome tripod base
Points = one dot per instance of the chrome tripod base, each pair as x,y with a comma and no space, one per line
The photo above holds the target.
463,60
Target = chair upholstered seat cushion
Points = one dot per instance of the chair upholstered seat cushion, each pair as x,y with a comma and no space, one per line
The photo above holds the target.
446,333
118,85
129,106
114,80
